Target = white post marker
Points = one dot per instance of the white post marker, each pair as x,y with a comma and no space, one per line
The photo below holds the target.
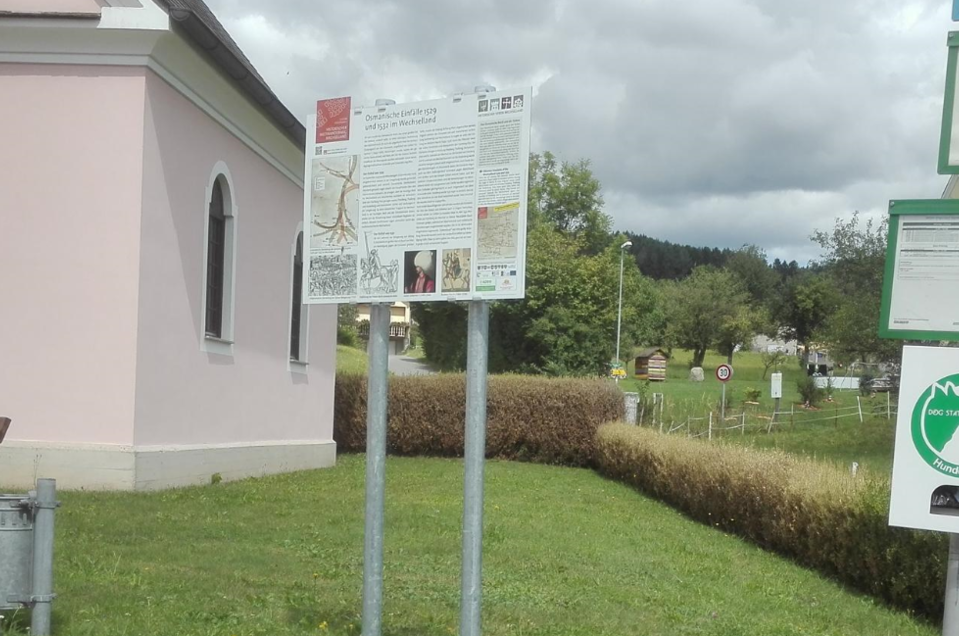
776,392
619,312
724,374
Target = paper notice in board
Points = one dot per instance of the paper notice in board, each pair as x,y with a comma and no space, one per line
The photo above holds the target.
421,201
926,269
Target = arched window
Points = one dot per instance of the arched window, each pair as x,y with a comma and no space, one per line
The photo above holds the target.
297,324
219,280
215,263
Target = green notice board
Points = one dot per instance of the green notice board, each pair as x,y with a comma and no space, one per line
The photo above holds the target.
949,134
920,292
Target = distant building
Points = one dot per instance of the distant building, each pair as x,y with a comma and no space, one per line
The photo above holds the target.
400,325
763,344
151,196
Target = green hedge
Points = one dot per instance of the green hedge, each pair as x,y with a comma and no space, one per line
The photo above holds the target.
551,421
816,513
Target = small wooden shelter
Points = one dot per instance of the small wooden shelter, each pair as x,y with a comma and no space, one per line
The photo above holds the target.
651,365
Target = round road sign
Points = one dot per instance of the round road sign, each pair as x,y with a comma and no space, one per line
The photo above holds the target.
724,373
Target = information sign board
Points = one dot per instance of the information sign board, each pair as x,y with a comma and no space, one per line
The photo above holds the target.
418,201
925,472
922,271
776,385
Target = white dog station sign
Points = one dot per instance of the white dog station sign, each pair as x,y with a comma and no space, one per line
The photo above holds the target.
925,474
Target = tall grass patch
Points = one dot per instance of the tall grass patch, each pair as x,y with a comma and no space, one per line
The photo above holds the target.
816,513
544,420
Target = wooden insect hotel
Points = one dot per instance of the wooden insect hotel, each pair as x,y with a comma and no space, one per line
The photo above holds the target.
651,365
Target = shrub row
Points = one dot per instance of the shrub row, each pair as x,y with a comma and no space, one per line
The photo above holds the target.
544,420
815,513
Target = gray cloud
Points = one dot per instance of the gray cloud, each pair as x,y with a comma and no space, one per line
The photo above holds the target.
714,122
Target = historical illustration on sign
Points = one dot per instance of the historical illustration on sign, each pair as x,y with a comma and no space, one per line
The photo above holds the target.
497,232
335,201
420,272
375,277
456,270
333,275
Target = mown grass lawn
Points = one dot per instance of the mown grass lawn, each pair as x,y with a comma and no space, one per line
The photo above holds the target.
567,553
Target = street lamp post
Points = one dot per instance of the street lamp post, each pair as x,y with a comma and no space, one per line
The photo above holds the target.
619,313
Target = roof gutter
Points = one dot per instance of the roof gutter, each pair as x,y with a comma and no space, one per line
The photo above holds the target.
203,37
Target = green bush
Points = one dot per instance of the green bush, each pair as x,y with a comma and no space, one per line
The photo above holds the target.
552,421
810,393
865,381
347,336
753,394
816,513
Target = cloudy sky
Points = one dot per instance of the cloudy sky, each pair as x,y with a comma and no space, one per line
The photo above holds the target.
710,122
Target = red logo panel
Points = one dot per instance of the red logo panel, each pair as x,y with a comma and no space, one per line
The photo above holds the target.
333,120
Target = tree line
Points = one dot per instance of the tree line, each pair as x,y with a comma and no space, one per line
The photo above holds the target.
700,299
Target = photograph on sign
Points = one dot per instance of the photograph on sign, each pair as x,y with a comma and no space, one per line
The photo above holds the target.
417,202
922,267
925,473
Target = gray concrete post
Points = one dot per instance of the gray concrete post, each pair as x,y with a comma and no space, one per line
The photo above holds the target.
376,402
43,596
477,348
632,403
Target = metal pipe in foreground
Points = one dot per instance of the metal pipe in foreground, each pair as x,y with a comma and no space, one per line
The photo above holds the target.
43,594
377,396
474,456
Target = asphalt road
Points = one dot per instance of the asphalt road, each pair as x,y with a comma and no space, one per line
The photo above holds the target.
401,365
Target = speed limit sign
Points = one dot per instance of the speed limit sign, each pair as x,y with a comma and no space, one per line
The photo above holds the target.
724,373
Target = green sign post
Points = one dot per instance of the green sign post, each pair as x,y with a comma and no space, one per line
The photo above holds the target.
919,302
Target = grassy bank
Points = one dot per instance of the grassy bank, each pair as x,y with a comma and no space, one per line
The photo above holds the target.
350,360
566,553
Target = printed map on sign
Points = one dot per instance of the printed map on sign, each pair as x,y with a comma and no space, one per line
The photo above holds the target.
334,201
497,231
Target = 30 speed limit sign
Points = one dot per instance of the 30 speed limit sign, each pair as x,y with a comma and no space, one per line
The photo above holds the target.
724,373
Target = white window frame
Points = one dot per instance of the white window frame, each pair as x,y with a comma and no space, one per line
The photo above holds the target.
301,365
224,344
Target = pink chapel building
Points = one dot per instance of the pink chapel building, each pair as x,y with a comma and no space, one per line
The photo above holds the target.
151,197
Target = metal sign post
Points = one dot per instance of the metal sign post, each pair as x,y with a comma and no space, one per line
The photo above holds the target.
377,396
724,374
950,614
474,457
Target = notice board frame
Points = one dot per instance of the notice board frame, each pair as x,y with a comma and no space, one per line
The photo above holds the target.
897,210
